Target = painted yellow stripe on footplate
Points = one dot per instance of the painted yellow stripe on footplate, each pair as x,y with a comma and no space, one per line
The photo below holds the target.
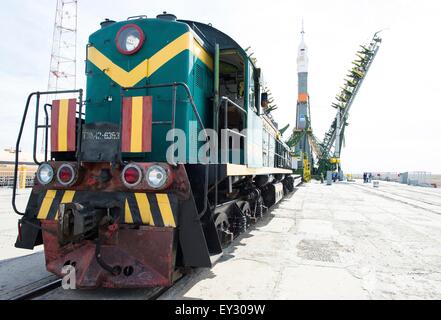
166,210
144,209
46,204
67,198
128,214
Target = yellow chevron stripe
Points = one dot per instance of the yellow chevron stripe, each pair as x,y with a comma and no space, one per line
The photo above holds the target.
128,214
169,52
137,120
149,66
67,198
200,52
62,125
46,204
144,209
166,210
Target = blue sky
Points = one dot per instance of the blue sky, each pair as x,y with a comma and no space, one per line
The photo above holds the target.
394,123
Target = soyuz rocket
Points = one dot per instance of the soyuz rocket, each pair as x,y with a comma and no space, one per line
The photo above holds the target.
303,120
303,97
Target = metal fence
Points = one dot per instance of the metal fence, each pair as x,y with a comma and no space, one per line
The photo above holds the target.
383,176
414,178
7,178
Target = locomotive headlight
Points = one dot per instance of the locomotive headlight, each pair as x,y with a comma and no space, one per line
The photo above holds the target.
132,42
130,39
45,174
156,177
132,176
66,175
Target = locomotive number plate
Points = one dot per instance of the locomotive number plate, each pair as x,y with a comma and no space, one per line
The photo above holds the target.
100,142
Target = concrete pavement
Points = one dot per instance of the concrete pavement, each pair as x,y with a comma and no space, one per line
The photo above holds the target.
346,241
8,223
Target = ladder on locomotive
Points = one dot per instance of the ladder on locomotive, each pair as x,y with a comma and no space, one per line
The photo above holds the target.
46,127
231,117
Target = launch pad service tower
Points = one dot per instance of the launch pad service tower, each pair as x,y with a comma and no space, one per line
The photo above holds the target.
303,118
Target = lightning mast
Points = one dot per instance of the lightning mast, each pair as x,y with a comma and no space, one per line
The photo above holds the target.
63,66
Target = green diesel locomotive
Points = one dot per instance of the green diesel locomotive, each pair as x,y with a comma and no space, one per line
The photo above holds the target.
170,156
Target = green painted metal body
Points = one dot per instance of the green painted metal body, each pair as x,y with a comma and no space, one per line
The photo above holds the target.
104,96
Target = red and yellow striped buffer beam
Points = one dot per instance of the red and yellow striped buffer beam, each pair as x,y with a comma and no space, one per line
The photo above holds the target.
137,124
63,123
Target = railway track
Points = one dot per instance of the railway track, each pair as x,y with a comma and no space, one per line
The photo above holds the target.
416,203
432,203
50,290
414,192
39,291
437,204
427,193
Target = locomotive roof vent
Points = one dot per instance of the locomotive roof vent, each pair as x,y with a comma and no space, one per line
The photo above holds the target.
107,23
167,16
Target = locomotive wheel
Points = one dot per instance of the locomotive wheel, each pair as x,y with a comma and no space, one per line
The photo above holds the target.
260,210
246,210
290,186
223,229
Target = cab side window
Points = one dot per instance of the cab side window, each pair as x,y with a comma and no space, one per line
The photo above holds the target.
251,89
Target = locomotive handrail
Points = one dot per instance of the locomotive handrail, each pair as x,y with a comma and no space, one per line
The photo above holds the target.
234,104
174,85
47,126
20,134
225,101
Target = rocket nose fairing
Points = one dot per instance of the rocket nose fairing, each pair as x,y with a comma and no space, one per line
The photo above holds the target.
302,56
